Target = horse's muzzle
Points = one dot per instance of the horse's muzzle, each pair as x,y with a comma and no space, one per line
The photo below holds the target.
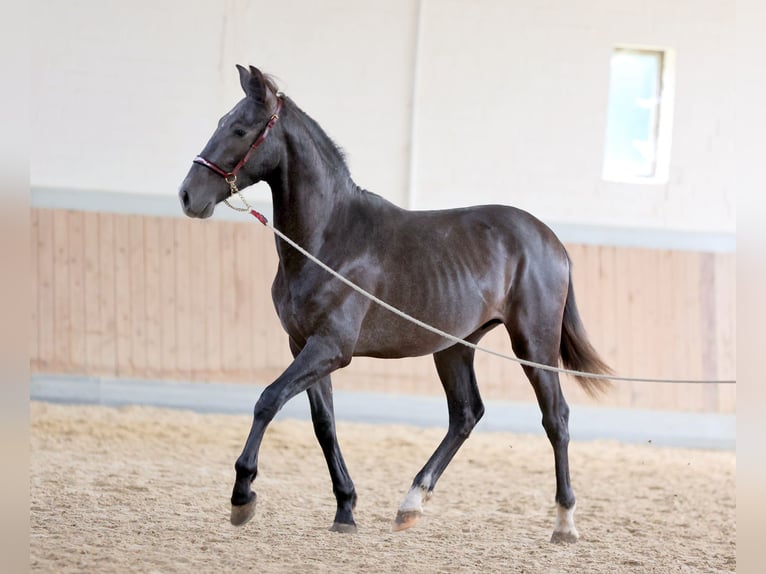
199,211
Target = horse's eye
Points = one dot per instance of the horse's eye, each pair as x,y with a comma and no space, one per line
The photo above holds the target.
239,132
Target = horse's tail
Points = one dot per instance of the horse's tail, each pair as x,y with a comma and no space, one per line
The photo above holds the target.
576,351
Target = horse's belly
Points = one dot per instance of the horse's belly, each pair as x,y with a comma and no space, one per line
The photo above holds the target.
386,335
455,296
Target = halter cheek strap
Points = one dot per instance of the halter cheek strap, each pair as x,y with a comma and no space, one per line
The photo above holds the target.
231,176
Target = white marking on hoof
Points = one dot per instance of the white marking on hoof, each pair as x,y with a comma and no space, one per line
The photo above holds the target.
565,530
414,500
411,508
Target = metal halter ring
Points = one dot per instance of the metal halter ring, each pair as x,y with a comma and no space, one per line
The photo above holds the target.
232,181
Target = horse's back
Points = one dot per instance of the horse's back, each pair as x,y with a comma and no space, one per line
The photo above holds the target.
476,231
457,269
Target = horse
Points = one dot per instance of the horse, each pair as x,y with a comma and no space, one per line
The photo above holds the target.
464,271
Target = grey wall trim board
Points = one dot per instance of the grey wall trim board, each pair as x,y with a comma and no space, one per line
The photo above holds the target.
168,206
658,428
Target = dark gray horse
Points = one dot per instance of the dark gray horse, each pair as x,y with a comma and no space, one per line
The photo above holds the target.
465,271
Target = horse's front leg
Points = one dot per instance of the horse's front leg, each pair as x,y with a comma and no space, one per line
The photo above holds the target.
318,358
323,418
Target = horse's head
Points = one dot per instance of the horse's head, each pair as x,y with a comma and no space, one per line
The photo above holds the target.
238,152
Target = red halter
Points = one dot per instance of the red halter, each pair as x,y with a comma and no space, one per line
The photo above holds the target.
231,176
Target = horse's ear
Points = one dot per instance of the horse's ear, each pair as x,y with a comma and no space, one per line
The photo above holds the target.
252,82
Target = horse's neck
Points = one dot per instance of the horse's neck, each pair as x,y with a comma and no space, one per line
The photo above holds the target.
307,188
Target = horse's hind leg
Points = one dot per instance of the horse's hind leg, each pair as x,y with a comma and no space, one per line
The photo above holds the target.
535,334
455,368
556,424
323,417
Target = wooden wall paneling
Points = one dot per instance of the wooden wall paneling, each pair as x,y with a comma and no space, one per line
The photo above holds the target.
92,293
107,305
597,298
623,363
197,313
259,293
62,323
692,337
396,374
152,296
167,295
122,297
640,280
244,272
75,249
405,374
695,327
391,375
709,330
685,283
386,375
374,374
198,308
211,307
663,330
601,322
725,272
230,298
595,293
676,341
137,296
727,317
187,331
642,286
408,375
46,290
137,262
658,328
34,295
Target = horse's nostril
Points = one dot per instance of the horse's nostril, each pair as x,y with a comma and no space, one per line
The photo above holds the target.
184,195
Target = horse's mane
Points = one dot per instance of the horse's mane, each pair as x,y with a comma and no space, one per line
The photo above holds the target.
331,152
271,83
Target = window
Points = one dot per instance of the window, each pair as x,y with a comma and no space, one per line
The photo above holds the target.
638,116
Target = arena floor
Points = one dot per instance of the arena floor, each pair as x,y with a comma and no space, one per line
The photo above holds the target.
146,489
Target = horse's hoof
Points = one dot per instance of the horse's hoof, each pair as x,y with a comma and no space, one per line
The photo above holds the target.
564,538
242,514
405,519
343,528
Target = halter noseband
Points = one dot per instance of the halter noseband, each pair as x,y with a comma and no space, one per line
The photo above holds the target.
231,176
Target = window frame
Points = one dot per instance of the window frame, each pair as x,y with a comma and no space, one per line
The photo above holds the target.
663,117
